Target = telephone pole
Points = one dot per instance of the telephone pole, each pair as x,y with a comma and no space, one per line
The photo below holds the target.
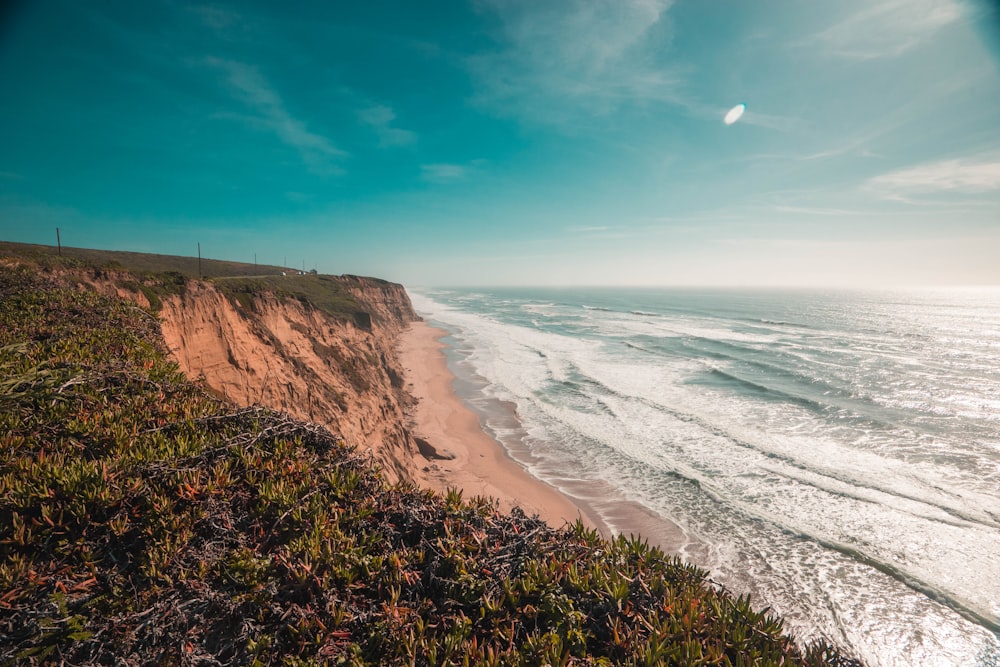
200,275
58,242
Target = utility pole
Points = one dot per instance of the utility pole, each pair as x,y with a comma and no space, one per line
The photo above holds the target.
58,242
200,275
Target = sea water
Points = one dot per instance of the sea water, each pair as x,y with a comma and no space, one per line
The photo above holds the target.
834,454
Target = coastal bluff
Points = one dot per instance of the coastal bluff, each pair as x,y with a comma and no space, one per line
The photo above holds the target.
320,348
269,348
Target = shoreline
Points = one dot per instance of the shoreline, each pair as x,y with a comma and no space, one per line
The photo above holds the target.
457,450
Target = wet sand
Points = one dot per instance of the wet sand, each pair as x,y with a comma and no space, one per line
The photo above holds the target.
457,452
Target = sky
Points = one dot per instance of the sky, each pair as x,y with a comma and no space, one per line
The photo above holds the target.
510,142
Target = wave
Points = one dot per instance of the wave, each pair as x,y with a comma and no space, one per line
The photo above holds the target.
958,517
984,517
599,308
781,323
962,607
640,348
858,404
769,393
538,308
965,608
728,503
705,486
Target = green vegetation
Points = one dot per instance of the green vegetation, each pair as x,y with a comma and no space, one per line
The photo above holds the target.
143,520
143,263
157,276
326,293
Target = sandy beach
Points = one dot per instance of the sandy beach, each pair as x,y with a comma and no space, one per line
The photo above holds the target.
458,453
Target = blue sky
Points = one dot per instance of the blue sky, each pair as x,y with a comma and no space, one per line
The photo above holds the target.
567,142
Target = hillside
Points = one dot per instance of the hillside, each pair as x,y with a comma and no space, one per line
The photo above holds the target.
320,348
144,520
137,262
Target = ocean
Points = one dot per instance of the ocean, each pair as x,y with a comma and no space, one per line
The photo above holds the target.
835,454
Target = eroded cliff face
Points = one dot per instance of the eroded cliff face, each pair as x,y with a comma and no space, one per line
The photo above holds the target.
287,355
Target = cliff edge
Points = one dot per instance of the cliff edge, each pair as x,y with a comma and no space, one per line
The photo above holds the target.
267,343
321,348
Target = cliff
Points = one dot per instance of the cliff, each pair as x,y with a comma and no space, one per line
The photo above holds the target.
320,348
266,347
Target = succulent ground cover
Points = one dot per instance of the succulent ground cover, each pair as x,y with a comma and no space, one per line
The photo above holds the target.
325,293
143,521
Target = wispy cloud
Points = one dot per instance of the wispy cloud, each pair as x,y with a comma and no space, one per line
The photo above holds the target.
908,110
450,172
815,210
855,145
215,17
558,58
228,24
885,30
380,118
587,230
250,87
967,175
443,173
772,121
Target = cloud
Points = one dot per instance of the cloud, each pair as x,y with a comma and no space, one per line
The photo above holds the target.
772,121
587,230
380,118
228,24
449,172
443,173
814,210
216,17
853,145
251,88
968,175
887,29
559,58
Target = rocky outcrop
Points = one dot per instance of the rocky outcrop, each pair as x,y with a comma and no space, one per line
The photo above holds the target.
285,354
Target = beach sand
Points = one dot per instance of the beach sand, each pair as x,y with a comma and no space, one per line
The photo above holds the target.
447,427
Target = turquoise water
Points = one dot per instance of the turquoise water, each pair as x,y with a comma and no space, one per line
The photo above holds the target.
835,454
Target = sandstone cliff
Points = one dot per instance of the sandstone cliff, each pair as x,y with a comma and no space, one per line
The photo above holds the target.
321,348
284,353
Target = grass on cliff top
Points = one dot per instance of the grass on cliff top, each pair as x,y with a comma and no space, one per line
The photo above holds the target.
328,294
144,521
77,258
158,276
